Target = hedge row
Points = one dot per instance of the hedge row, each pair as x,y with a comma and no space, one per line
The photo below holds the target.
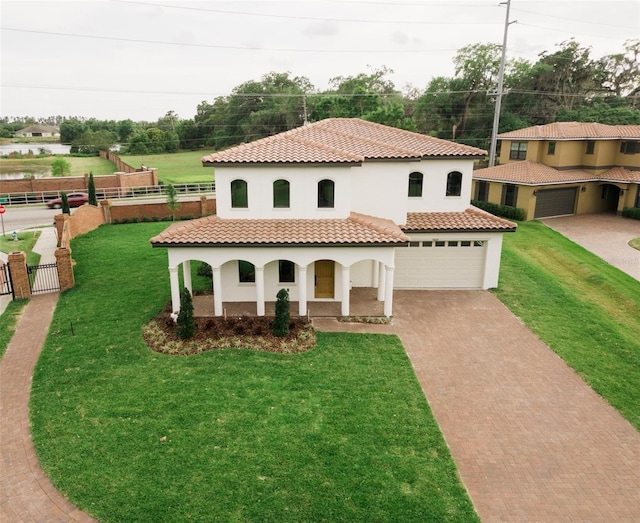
631,212
506,211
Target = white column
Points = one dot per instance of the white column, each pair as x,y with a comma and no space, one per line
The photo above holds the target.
217,291
388,292
380,282
186,274
260,291
302,290
175,289
374,275
346,274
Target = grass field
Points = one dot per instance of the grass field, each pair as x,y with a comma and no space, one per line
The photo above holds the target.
8,321
339,433
79,165
184,167
25,242
586,310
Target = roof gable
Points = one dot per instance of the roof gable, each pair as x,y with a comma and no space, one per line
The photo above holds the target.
341,140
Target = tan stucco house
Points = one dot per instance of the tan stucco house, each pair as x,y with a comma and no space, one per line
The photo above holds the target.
39,130
564,168
338,204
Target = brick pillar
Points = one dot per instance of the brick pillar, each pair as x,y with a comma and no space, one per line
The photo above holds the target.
106,210
65,268
19,276
154,176
59,220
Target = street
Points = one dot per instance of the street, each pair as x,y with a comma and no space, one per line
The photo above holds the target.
17,218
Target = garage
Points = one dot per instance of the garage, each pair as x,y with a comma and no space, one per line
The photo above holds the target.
440,264
555,202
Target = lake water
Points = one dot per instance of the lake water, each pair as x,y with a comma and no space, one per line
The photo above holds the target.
55,148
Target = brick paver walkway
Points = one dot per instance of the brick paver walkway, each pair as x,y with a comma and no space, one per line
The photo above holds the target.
26,494
532,442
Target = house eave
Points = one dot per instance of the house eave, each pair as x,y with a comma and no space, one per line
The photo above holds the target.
279,245
463,230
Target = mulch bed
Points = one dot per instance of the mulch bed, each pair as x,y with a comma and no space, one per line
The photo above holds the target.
244,332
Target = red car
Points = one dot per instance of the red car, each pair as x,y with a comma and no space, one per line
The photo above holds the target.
76,199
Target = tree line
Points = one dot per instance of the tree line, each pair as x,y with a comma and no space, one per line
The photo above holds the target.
565,85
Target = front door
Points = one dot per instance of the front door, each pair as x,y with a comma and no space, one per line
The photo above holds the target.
324,278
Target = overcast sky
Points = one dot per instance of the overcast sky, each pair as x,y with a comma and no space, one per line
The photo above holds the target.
118,59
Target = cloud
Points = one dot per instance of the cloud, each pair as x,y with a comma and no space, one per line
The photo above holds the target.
322,28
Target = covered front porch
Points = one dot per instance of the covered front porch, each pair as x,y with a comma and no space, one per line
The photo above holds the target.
363,302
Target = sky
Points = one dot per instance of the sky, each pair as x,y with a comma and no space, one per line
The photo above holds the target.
119,59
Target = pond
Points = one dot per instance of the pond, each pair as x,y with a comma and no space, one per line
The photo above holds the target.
54,148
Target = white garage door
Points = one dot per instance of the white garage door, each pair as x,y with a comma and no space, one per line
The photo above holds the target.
440,265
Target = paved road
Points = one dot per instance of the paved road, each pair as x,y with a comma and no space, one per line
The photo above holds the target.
17,218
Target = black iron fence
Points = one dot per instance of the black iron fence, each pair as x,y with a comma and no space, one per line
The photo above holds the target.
43,278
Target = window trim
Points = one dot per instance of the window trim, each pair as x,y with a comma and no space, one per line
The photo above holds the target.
281,205
505,189
329,203
234,204
417,185
454,184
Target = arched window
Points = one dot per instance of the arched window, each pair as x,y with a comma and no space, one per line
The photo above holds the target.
239,196
415,184
326,189
281,194
246,272
454,183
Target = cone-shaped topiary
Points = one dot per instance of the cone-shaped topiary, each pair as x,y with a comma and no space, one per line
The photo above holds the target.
281,322
65,203
186,325
92,191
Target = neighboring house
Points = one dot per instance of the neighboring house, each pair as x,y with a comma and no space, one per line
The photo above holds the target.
337,204
39,130
564,168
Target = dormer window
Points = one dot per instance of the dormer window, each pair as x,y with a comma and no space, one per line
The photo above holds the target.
415,185
281,194
454,183
326,190
239,196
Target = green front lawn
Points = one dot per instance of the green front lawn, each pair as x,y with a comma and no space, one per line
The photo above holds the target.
25,243
8,322
184,167
586,310
340,433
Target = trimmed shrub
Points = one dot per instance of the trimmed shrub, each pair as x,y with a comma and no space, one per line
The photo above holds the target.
186,324
280,325
205,270
631,212
505,211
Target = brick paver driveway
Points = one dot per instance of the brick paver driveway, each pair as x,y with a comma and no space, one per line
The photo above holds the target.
532,442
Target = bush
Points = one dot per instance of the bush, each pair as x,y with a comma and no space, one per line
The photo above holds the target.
280,325
506,211
186,324
205,270
631,212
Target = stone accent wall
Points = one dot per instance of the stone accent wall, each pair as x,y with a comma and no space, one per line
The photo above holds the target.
20,278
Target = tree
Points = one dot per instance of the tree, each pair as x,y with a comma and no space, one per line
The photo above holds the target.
92,142
280,325
70,129
60,166
125,129
65,203
172,200
92,190
186,324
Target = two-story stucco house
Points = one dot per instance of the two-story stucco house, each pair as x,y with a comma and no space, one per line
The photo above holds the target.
564,168
337,204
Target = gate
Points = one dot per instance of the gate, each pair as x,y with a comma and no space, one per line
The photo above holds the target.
5,280
43,278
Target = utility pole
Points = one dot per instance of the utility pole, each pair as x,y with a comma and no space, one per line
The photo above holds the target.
496,113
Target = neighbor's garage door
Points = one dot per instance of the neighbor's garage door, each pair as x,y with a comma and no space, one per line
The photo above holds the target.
441,264
555,202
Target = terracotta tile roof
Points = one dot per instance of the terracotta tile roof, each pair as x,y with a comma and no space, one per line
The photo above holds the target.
341,140
358,229
528,172
574,131
620,174
473,219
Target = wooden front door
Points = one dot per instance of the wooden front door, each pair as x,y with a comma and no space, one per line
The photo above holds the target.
324,278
